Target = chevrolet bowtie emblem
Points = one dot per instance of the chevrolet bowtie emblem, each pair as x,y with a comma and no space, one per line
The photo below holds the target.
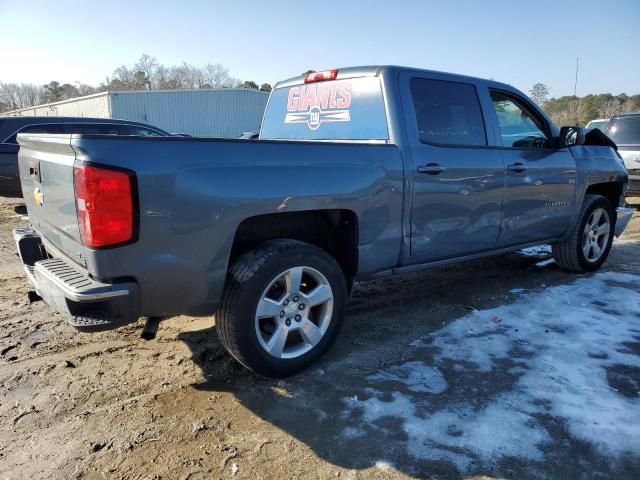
38,196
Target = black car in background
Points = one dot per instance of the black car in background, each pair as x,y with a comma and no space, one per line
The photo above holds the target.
11,126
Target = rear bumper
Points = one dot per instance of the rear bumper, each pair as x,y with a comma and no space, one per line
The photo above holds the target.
623,217
68,289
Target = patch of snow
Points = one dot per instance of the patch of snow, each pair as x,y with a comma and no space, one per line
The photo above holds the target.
555,345
417,376
517,291
537,251
546,262
384,466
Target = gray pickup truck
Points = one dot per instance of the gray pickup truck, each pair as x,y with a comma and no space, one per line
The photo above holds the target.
359,173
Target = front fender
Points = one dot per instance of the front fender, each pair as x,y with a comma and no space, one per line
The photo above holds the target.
596,165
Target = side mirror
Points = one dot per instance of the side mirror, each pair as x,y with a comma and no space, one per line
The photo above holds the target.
570,136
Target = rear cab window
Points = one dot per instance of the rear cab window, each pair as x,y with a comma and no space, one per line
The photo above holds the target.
351,109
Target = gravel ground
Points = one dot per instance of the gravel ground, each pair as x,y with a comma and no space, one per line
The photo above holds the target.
505,367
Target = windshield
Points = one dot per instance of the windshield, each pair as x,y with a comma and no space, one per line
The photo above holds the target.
351,109
625,130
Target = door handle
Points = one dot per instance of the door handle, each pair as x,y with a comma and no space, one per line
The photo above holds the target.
517,167
431,169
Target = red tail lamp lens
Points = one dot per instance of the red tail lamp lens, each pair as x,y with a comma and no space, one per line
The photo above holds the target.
104,205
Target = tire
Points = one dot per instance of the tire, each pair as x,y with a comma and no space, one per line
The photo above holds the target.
266,278
570,254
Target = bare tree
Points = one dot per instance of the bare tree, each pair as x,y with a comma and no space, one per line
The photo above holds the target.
539,93
125,78
146,73
217,76
610,108
84,89
19,95
165,78
149,68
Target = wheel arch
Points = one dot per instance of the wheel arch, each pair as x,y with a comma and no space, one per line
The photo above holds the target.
333,230
613,191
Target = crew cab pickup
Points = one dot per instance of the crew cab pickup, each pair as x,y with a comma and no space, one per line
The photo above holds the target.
359,173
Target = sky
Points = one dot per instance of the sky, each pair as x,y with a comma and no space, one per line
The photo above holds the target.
515,42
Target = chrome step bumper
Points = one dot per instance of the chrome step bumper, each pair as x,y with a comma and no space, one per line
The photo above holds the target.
68,289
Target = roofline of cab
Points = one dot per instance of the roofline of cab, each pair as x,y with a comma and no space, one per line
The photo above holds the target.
383,70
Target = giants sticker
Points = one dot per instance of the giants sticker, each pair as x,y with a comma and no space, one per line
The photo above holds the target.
318,103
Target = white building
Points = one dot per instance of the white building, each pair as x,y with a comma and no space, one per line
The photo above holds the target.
226,112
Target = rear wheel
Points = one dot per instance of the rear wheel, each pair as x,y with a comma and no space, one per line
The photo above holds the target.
588,246
282,308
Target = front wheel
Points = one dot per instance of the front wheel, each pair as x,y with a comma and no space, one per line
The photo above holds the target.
588,246
282,308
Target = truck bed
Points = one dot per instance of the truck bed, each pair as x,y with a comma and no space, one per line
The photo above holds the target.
192,194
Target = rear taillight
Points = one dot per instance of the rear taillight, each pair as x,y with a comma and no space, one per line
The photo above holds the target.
321,76
104,205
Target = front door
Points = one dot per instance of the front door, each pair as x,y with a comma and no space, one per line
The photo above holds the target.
458,181
540,195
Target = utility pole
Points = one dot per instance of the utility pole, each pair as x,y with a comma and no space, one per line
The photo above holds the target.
575,85
575,92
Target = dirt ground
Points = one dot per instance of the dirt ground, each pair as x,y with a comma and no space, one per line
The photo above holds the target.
112,405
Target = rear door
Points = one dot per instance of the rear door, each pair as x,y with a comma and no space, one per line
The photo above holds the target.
458,181
540,192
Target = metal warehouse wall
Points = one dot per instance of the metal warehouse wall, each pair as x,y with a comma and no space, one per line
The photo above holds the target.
221,112
89,106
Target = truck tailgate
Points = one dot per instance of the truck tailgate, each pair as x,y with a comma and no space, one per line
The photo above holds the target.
46,174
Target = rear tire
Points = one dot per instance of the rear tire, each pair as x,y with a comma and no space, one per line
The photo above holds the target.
282,307
588,246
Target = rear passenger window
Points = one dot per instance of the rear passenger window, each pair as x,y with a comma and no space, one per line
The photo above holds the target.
44,128
447,113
